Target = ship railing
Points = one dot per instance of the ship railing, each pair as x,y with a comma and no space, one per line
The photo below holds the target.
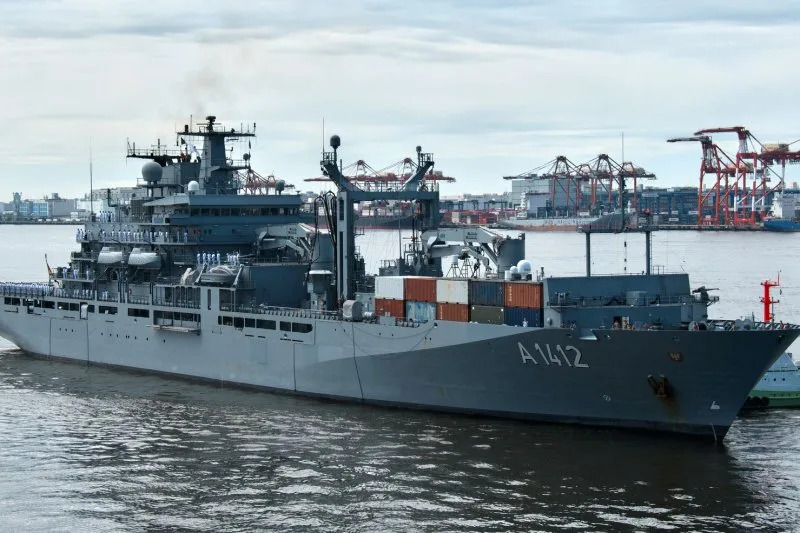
68,275
26,290
562,301
179,303
727,325
281,311
107,296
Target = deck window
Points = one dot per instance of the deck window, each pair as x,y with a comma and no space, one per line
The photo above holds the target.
301,327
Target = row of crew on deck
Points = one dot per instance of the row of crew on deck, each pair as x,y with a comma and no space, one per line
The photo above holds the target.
134,236
216,258
106,216
26,289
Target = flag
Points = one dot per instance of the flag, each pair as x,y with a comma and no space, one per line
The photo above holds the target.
49,270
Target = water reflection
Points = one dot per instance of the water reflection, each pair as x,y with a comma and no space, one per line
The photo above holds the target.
90,447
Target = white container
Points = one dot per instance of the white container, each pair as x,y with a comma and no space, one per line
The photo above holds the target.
389,287
452,291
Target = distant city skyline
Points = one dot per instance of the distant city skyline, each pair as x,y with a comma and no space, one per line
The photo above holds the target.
492,88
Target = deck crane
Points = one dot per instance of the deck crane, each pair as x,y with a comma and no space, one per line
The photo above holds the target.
715,161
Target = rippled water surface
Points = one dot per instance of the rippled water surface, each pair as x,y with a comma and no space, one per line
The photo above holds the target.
86,448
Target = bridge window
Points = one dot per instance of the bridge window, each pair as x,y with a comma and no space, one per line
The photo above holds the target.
107,310
265,324
286,326
238,322
249,322
142,313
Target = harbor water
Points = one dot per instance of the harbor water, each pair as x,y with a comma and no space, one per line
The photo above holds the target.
85,448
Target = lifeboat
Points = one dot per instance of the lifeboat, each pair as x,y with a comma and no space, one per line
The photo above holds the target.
107,256
142,259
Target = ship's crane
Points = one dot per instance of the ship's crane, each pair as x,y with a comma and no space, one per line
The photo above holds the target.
299,237
349,194
481,243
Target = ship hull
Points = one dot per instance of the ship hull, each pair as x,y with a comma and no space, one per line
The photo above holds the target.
546,224
542,374
781,225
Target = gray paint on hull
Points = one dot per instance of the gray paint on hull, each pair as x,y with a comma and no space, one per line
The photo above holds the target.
484,372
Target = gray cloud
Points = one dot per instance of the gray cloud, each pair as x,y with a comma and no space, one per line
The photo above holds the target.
492,87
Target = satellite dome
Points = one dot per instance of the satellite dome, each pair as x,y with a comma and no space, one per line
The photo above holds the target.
513,270
280,185
193,186
151,172
336,142
524,266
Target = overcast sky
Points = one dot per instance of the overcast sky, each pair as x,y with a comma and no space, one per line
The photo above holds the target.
491,87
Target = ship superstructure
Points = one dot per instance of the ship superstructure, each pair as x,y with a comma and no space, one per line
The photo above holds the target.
196,279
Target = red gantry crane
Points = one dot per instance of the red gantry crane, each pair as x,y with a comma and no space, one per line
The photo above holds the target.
742,183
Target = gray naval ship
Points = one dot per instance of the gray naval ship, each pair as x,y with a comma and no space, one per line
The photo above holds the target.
195,278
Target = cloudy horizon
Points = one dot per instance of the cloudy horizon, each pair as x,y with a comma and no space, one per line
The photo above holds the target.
491,88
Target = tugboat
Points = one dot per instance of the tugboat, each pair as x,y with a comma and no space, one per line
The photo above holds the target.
195,279
780,385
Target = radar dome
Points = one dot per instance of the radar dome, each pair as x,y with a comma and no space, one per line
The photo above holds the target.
151,172
193,186
513,270
280,185
524,266
336,142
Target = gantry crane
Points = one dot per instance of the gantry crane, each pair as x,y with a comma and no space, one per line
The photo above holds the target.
716,162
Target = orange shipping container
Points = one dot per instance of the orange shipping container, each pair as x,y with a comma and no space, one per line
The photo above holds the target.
420,289
523,294
452,312
395,308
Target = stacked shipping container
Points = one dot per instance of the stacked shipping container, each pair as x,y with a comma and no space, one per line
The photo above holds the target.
423,299
390,296
523,300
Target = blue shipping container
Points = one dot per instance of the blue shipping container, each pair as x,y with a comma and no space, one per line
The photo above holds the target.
517,316
486,293
420,311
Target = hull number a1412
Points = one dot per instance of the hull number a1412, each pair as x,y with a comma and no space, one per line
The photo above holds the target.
552,355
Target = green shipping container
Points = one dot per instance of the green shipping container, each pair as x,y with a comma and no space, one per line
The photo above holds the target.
485,314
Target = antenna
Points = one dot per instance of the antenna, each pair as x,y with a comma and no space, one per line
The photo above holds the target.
323,133
91,201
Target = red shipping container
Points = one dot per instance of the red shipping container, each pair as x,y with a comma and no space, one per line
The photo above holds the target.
395,308
420,289
452,312
525,294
